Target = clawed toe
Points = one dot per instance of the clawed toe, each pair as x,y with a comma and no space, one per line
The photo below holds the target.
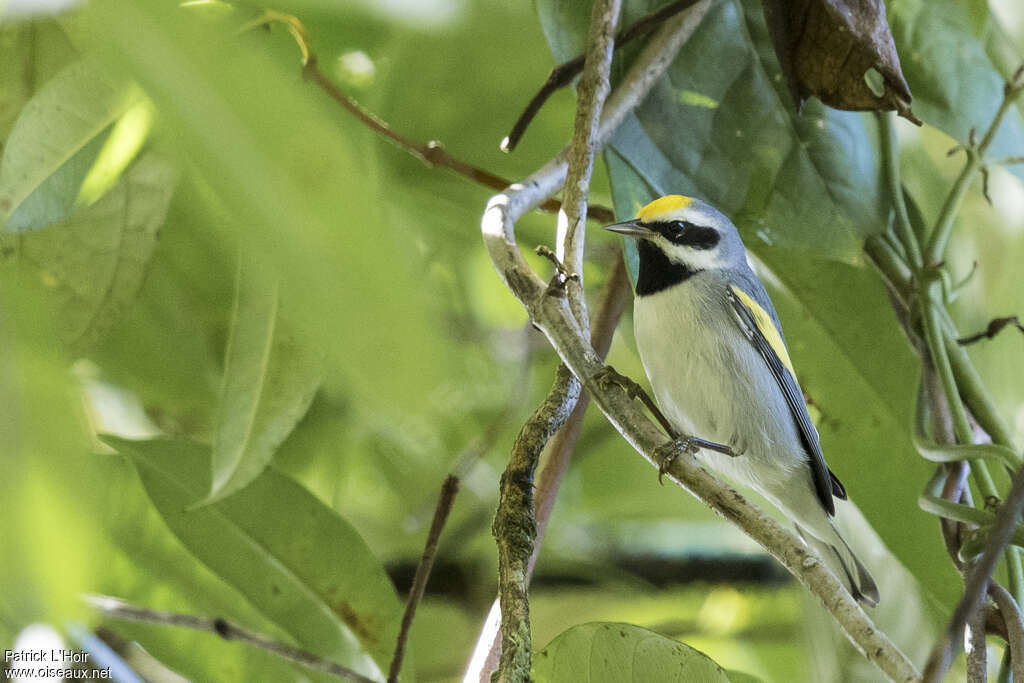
667,453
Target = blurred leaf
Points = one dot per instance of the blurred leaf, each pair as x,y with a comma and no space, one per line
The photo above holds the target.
293,557
270,377
956,86
295,186
618,653
169,346
55,141
94,261
33,53
49,484
826,47
149,566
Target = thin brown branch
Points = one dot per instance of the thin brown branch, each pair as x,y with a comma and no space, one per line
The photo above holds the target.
562,75
977,581
118,609
994,327
419,582
430,153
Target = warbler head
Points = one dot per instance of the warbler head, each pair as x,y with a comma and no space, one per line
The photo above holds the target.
683,236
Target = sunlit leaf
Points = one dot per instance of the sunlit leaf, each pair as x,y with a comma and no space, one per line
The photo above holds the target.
293,557
621,653
55,141
95,260
270,377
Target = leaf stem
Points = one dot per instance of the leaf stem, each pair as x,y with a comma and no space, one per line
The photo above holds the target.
975,163
891,162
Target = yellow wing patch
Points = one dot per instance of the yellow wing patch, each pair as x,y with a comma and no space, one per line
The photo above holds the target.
663,205
766,326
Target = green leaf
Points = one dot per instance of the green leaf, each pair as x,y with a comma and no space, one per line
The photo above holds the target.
33,52
619,653
296,181
807,182
954,95
270,377
847,348
95,261
299,563
55,141
147,565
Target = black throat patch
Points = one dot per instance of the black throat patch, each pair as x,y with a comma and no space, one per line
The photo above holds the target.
657,272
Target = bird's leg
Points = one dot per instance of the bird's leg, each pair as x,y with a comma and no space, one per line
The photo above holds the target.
609,376
667,452
562,274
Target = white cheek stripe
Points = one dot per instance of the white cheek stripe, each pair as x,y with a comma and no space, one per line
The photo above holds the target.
697,259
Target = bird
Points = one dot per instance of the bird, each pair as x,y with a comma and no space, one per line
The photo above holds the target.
711,344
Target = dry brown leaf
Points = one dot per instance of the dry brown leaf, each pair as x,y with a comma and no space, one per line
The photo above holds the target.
826,47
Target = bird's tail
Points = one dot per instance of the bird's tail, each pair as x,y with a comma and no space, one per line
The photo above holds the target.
845,565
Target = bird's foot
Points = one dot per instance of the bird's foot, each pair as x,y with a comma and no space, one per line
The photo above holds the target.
667,453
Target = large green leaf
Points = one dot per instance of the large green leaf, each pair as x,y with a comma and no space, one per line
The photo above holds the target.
804,191
721,126
270,377
95,260
147,565
55,143
294,558
621,653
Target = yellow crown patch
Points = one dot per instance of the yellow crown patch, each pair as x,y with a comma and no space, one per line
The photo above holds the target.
663,205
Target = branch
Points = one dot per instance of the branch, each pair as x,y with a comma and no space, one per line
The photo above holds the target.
613,300
994,327
514,526
554,318
419,582
978,581
563,74
430,153
118,609
593,91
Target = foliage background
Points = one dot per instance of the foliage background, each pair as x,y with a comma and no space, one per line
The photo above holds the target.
118,310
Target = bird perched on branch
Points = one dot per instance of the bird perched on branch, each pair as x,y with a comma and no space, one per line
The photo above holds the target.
713,349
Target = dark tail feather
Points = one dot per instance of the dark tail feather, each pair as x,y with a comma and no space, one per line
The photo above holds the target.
846,566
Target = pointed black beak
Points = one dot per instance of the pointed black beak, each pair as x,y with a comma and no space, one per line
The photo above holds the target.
632,228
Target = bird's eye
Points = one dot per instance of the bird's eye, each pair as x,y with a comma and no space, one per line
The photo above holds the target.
677,228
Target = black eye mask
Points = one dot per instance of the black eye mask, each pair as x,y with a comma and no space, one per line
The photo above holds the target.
687,234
